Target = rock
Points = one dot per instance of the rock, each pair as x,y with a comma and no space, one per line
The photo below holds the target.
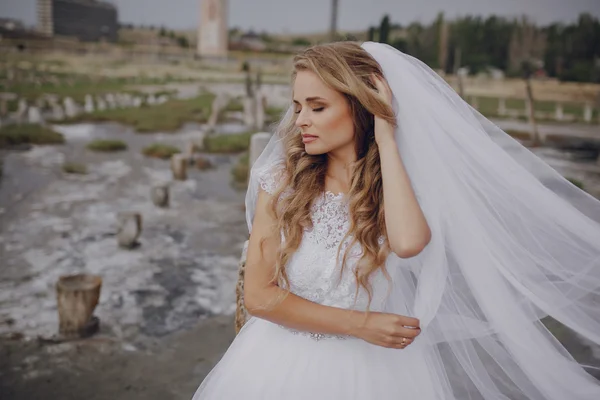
160,195
130,229
178,167
21,110
71,109
101,104
77,297
34,116
89,104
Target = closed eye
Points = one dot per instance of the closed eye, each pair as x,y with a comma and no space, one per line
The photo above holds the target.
314,109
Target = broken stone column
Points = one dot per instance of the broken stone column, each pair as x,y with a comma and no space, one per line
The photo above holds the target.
501,106
77,296
130,229
110,101
101,104
71,109
587,112
160,195
179,167
258,142
57,112
249,104
259,109
22,111
189,151
89,104
559,113
34,116
217,107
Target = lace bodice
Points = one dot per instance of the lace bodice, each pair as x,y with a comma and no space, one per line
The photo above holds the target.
312,270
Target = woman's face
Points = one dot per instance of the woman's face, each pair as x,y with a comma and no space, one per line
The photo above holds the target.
323,113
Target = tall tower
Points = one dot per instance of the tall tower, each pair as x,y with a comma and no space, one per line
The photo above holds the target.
45,24
213,33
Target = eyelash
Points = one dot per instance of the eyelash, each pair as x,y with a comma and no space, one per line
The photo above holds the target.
315,110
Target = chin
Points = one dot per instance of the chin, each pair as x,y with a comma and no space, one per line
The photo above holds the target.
313,150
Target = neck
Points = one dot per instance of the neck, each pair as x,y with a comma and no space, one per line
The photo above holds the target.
341,164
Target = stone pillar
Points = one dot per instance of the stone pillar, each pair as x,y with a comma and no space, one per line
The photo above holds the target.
213,33
559,114
501,106
34,116
587,112
22,110
249,112
258,142
89,104
71,109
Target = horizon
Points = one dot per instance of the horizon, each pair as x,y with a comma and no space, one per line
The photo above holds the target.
292,18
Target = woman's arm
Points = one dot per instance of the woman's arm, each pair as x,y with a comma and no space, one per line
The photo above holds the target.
407,229
264,299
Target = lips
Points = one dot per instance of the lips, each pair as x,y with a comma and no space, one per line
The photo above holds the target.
305,136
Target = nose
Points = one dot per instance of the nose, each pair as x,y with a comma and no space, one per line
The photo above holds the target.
302,120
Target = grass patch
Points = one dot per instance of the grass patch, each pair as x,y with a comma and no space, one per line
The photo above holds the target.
167,117
488,106
240,170
577,183
234,143
107,145
520,135
13,135
74,168
160,150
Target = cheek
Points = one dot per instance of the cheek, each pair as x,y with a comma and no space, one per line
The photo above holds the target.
337,127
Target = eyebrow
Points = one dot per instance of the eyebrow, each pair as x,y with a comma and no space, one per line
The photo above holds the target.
309,99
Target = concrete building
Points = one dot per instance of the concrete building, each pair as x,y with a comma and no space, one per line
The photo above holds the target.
213,33
87,20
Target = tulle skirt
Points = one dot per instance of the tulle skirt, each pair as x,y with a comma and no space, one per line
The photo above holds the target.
266,361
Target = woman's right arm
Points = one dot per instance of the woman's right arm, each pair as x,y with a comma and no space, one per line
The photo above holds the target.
264,299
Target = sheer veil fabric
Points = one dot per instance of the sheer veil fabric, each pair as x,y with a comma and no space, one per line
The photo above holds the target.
513,241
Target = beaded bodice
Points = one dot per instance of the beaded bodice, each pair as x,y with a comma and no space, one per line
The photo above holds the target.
312,270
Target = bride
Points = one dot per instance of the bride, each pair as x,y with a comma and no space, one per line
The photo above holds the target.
404,247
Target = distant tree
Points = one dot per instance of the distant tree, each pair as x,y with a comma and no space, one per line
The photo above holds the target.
384,29
162,32
300,41
182,41
371,34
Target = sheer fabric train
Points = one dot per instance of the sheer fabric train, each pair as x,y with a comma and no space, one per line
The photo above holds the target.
513,242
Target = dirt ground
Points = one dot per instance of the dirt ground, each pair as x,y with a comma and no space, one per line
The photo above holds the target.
100,368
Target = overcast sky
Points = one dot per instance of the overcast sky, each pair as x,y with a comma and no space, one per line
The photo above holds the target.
299,16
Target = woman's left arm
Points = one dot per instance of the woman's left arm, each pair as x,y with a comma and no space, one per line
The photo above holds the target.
407,229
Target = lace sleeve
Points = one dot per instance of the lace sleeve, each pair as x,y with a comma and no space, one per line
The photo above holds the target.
270,177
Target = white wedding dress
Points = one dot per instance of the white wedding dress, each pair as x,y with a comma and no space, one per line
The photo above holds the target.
512,242
267,361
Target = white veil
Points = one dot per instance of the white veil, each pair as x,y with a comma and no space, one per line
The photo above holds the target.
513,241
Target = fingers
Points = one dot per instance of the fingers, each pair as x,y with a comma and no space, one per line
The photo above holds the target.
397,343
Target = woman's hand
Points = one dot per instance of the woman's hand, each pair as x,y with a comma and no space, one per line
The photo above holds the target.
383,130
387,330
383,89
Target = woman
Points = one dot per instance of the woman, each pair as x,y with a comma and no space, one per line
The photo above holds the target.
403,247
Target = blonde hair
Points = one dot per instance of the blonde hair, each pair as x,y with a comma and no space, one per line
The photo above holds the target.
347,68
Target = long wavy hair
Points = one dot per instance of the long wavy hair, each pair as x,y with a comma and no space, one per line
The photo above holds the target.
347,68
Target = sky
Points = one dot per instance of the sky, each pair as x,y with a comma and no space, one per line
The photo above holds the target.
305,16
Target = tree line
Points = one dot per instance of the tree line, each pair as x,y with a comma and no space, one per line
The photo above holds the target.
569,52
